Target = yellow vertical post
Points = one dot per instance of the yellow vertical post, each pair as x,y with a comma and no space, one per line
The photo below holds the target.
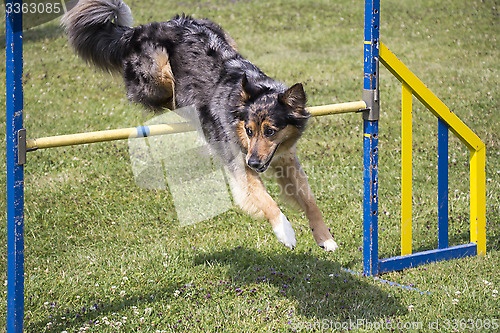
406,169
478,199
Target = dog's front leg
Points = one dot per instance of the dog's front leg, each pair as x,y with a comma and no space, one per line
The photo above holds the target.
294,186
250,194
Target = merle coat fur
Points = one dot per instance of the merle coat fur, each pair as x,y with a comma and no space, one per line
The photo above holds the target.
185,62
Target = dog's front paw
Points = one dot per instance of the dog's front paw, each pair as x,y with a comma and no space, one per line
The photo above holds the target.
329,245
284,231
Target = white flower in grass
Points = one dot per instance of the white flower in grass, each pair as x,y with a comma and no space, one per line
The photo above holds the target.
458,293
148,311
122,293
454,301
487,283
410,308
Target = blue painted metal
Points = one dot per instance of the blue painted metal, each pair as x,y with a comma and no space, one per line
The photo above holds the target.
370,198
425,257
370,141
15,172
442,184
371,43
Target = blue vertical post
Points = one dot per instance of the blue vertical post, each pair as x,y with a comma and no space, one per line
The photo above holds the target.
442,184
370,138
15,172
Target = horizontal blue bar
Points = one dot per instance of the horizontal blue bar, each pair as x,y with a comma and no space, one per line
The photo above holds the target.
413,260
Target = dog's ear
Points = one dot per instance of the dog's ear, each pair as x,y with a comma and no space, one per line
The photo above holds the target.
295,98
248,89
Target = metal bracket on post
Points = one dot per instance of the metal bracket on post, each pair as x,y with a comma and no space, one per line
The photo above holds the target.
21,147
371,98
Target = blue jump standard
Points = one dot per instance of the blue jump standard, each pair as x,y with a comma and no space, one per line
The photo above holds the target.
15,172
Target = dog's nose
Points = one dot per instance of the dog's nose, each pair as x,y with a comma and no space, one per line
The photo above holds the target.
254,162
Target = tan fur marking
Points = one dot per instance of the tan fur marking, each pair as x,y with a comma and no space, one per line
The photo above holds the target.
164,76
242,136
231,41
295,188
250,194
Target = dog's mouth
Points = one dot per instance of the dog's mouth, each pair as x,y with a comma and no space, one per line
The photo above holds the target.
268,162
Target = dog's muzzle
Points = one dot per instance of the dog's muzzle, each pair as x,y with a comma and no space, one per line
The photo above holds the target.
256,164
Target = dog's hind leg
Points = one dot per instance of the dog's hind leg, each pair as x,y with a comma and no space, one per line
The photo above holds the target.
250,194
294,187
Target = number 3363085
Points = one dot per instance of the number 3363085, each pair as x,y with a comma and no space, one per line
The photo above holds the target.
34,8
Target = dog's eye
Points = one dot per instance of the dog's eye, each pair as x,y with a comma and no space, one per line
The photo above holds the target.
269,132
249,132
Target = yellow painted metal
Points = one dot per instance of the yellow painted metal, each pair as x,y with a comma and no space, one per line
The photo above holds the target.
465,134
478,200
102,136
426,97
125,133
324,110
406,170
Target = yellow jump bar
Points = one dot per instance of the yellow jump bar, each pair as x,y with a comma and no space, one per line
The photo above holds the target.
110,135
134,132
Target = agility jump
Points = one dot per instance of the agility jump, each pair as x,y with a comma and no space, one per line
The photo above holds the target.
374,53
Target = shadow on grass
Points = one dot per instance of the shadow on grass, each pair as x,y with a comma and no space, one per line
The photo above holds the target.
320,288
309,291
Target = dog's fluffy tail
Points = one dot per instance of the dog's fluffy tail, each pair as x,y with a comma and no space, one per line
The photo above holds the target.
96,30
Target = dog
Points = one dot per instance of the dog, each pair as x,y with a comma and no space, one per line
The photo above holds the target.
250,120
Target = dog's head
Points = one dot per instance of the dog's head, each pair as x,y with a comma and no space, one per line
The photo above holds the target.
269,121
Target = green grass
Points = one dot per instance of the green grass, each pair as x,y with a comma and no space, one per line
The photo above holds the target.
101,252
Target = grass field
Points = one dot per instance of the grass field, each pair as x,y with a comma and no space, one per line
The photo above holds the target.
103,255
